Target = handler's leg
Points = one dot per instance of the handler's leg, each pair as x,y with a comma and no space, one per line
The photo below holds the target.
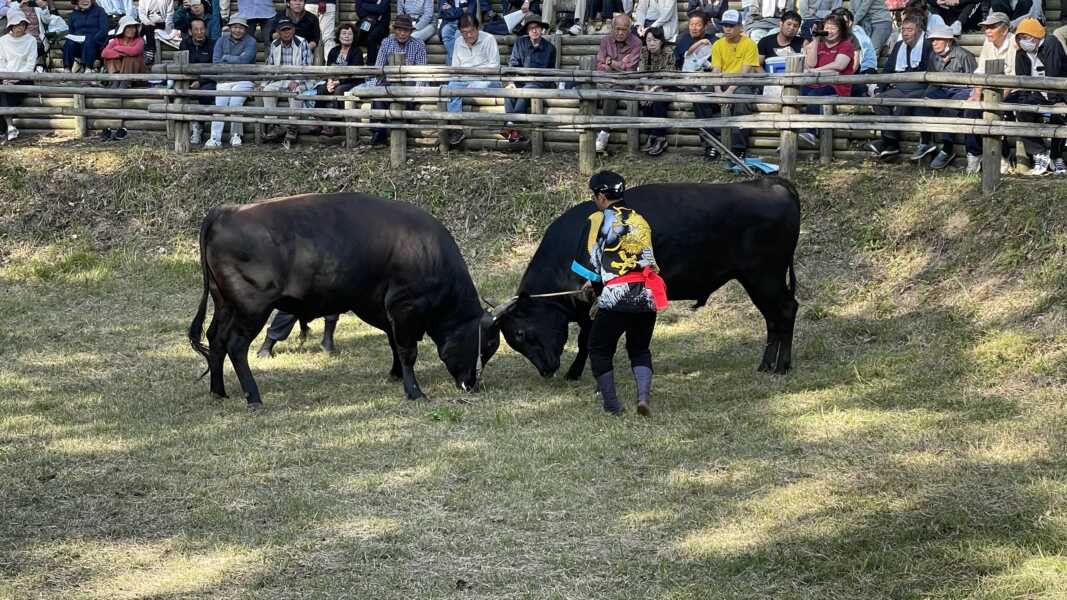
607,328
280,328
638,338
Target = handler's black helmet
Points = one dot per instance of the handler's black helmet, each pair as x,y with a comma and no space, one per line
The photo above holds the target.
609,183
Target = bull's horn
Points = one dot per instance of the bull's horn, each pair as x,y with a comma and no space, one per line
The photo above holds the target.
489,303
503,309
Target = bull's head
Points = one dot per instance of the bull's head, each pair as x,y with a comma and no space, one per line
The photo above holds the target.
469,348
537,329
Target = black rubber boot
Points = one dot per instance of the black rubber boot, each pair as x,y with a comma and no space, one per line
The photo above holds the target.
606,386
643,377
327,337
267,349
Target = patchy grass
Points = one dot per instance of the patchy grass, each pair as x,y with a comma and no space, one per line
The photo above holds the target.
916,451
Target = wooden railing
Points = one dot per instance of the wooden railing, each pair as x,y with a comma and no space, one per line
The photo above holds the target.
425,84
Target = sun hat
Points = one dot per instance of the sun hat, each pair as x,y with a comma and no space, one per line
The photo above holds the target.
941,32
403,21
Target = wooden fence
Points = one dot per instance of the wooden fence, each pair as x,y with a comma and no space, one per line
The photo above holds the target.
175,106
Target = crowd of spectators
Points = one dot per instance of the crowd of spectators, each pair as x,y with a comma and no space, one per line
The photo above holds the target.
886,36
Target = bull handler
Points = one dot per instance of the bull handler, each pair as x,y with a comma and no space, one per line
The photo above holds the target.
282,326
616,260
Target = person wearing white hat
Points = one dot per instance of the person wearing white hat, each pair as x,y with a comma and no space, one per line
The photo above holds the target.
18,54
237,48
124,53
947,57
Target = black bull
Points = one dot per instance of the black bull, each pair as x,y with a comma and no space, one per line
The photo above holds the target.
703,235
391,263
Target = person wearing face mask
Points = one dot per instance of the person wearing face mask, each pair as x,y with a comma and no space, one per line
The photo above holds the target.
948,57
911,54
1039,56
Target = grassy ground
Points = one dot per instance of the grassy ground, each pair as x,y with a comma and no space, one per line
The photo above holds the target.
917,450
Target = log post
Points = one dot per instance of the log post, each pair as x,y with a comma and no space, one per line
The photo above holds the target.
826,139
725,134
787,147
398,138
587,137
537,135
442,134
81,124
181,128
351,133
633,136
991,150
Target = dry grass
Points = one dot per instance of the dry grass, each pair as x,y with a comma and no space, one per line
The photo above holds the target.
916,451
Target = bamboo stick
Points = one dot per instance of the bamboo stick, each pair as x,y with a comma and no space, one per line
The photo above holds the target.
787,150
81,124
991,150
537,136
826,140
181,128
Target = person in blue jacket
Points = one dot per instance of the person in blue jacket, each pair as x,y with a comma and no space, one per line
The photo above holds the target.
89,20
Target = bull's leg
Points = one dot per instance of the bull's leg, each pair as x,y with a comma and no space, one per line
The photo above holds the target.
217,337
304,329
578,366
240,339
396,372
779,308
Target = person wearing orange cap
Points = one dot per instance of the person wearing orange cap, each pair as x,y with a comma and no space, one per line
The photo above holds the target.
1039,56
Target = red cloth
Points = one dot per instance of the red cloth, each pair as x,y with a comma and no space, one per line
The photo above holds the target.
652,281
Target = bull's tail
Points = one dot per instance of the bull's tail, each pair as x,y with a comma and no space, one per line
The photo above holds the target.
196,328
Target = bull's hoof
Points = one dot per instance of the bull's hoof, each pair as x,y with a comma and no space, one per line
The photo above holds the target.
764,368
254,406
644,409
569,376
218,395
395,376
328,348
419,397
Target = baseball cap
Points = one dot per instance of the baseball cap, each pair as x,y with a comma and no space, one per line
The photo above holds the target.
731,17
995,18
283,23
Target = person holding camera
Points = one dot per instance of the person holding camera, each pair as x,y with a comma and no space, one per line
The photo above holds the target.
829,51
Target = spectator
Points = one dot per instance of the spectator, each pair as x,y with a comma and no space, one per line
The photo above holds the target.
288,50
531,51
421,13
657,13
783,43
154,14
124,53
909,55
201,50
947,57
401,42
237,48
1039,56
451,12
191,9
691,41
282,326
306,24
998,44
866,54
1017,10
957,14
831,52
712,11
734,53
875,20
89,21
474,49
326,11
593,16
619,51
344,54
656,57
18,54
499,26
374,23
42,25
257,14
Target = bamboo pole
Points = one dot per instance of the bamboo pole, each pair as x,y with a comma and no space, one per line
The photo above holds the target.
442,134
826,139
586,141
725,134
351,133
787,148
81,124
398,138
991,149
633,135
537,136
181,128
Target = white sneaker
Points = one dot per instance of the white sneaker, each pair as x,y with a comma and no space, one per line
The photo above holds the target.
974,164
575,29
1042,162
602,141
195,134
235,140
12,133
76,67
1059,167
213,144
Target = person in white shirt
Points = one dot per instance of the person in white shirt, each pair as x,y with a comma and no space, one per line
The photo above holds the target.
18,54
657,13
475,48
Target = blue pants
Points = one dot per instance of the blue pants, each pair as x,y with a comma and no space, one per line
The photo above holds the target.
815,109
522,105
283,324
214,23
456,104
87,52
449,33
605,8
974,146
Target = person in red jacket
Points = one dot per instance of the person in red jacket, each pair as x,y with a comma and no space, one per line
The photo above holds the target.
124,53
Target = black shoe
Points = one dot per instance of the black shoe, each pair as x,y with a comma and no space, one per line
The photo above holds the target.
120,134
377,138
883,150
456,136
658,147
711,153
107,134
273,134
267,349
